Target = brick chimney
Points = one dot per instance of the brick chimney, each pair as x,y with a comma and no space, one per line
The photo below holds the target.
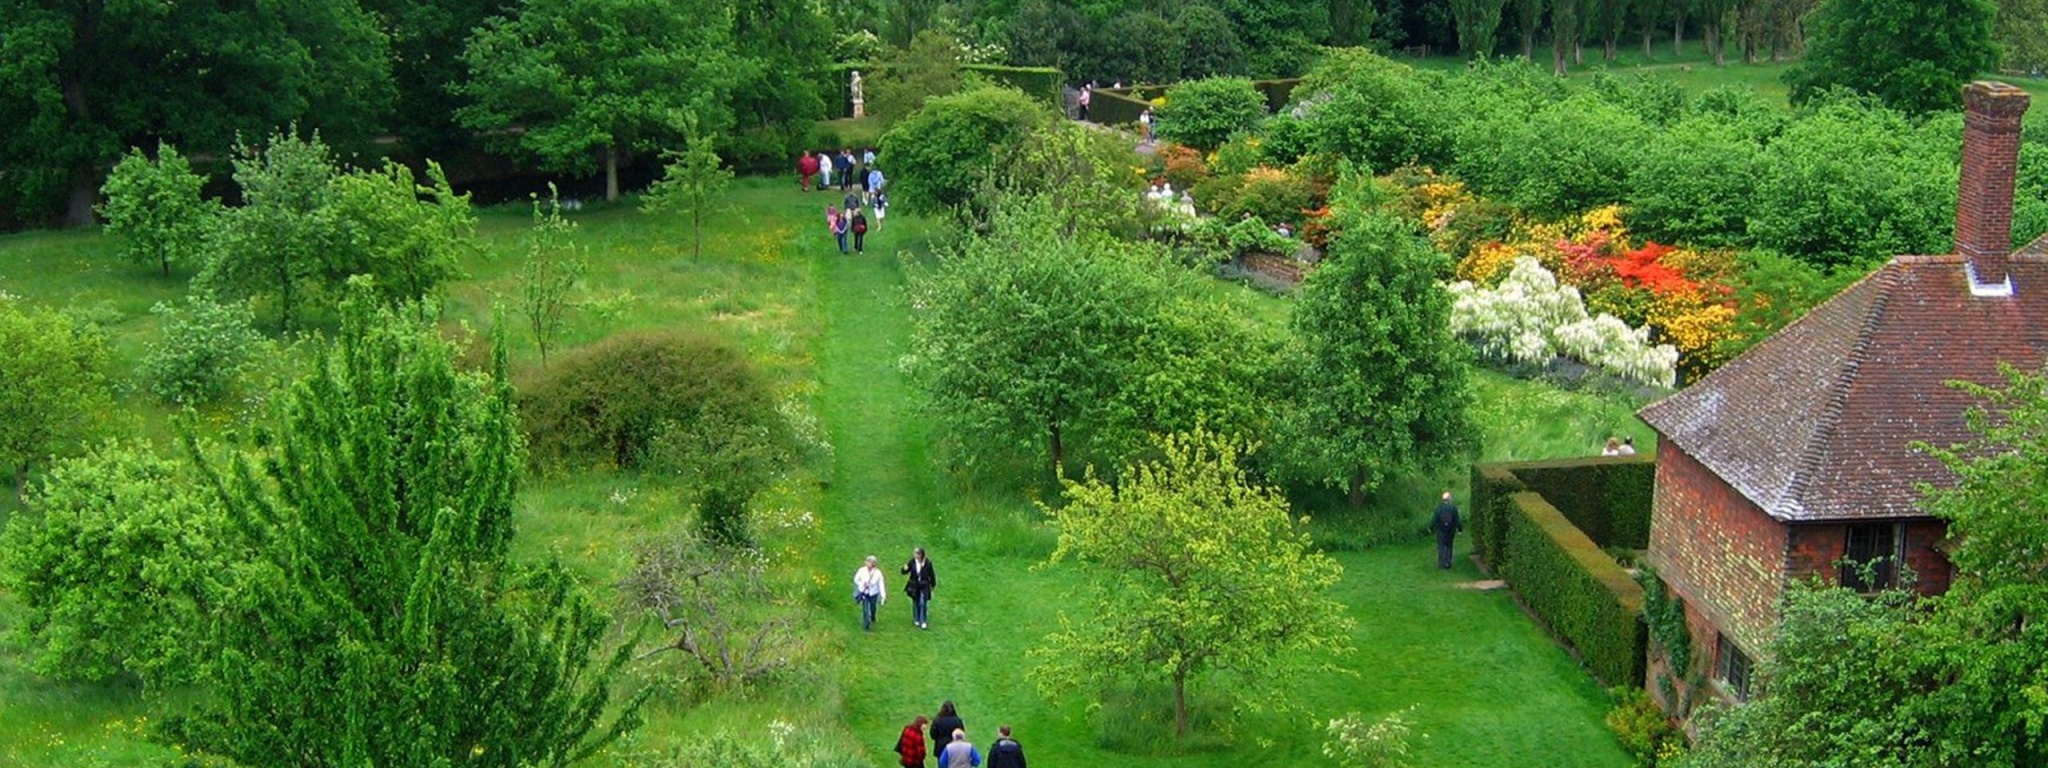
1991,150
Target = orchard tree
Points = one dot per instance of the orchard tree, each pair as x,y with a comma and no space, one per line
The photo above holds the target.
55,395
1383,387
1191,570
1914,55
80,82
577,81
113,566
156,206
382,621
693,183
280,242
407,235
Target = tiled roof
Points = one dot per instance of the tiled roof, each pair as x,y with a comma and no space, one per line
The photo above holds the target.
1816,422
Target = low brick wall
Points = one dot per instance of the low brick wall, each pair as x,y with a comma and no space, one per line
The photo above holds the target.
1283,269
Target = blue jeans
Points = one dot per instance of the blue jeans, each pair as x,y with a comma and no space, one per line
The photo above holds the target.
919,608
842,240
868,603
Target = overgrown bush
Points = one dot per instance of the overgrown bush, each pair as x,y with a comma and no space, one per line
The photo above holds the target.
1273,195
157,208
1585,597
1642,728
1203,113
683,404
205,348
110,565
1386,743
1850,183
1371,110
939,157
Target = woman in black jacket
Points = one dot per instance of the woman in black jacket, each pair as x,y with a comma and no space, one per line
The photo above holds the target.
944,725
919,587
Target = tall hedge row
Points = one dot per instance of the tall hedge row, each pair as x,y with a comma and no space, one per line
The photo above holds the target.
1491,484
1041,83
1587,599
1607,498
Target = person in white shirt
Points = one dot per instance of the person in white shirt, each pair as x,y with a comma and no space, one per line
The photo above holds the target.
869,592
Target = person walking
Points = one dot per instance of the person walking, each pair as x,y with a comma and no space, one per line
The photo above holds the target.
1446,527
1087,93
860,231
881,206
837,224
910,745
875,180
853,200
960,753
806,167
869,592
918,583
1006,752
824,171
842,166
943,725
1145,121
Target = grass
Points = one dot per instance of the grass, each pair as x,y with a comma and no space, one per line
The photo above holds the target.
1488,687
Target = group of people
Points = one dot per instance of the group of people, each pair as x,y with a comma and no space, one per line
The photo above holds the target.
861,180
948,738
1625,446
919,579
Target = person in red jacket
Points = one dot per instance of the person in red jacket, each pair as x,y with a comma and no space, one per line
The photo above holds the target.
806,167
911,744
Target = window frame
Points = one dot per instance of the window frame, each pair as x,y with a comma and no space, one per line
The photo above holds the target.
1885,566
1733,669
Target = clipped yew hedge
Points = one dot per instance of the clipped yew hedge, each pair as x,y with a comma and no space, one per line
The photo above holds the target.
1588,601
1608,498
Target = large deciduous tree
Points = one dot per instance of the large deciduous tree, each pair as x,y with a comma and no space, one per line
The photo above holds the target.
583,84
1913,54
382,621
1192,570
1383,385
1477,22
942,154
81,81
56,393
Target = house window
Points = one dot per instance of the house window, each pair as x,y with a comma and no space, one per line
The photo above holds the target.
1871,560
1731,667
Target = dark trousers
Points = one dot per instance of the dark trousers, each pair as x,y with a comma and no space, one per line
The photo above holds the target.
860,242
1443,552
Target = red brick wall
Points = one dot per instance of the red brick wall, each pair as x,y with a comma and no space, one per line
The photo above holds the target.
1991,145
1718,551
1815,549
1281,268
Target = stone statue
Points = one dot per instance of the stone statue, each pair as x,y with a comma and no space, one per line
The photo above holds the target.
860,106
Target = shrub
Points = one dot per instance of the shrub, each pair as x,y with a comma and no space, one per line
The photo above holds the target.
1273,195
939,156
157,208
205,348
1561,158
1386,743
1607,499
1203,113
1697,183
1642,728
1368,109
1530,317
1585,597
673,403
109,566
1851,183
1181,166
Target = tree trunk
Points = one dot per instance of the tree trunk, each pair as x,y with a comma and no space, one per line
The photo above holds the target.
21,483
1529,44
284,299
1180,703
1357,493
1715,43
1649,31
1579,52
1678,29
84,185
611,173
1059,448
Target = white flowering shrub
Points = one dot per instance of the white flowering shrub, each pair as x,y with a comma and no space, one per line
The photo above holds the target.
1532,318
1355,742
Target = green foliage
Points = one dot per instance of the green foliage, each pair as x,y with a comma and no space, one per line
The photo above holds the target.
1558,158
406,235
1914,55
692,183
205,348
1664,615
56,396
775,99
1607,499
2021,34
1487,517
1235,238
787,746
940,156
1381,386
279,241
1193,570
113,568
1822,199
553,265
1642,728
1203,113
715,605
1371,110
1696,183
1386,743
1084,174
381,621
588,79
1587,599
1278,37
157,208
1775,290
929,68
1211,43
1476,22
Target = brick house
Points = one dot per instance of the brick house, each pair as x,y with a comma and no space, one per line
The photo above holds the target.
1794,459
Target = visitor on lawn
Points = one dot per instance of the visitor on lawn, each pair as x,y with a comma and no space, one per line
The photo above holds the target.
868,590
881,206
910,745
860,231
1446,527
824,170
875,180
943,726
1087,91
853,200
960,753
1628,447
842,166
838,225
806,167
920,578
867,157
1006,752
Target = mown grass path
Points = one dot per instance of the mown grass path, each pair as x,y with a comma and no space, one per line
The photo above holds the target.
1489,687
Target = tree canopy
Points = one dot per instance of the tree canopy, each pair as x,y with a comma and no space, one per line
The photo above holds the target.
1913,54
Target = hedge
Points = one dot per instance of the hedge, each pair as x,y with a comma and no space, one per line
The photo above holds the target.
1606,497
1037,82
1589,602
1491,484
1041,83
1108,107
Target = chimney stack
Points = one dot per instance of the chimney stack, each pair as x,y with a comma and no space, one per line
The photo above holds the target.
1991,150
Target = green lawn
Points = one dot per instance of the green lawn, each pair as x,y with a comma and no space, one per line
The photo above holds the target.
1488,687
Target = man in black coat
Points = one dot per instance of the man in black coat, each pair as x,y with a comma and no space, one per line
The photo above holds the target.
1446,526
921,579
1006,753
